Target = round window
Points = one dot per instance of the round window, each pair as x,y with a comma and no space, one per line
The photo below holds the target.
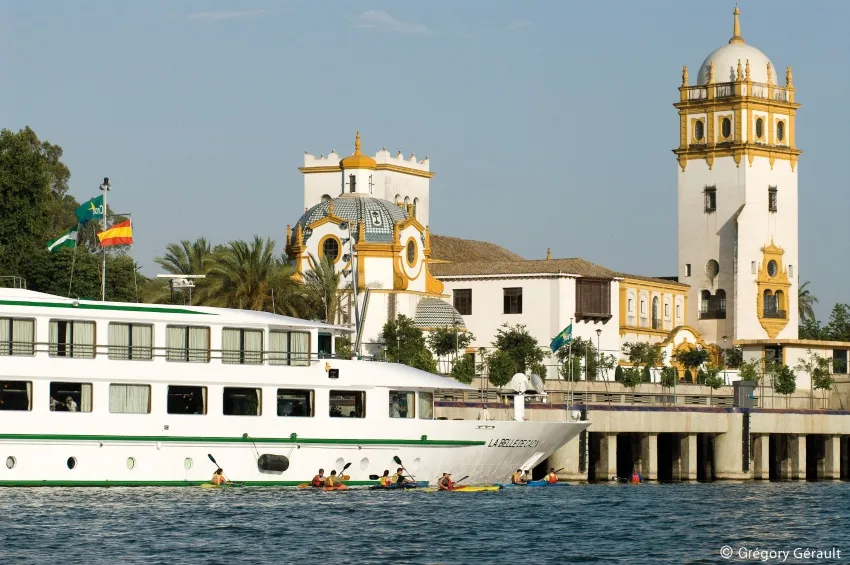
759,128
72,462
726,127
131,463
771,268
10,462
699,130
712,267
187,463
411,252
780,130
330,248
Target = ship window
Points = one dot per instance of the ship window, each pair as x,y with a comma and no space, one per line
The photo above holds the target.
347,404
292,402
402,403
187,399
70,397
289,348
426,405
15,395
242,347
242,401
187,344
130,341
71,339
129,399
17,337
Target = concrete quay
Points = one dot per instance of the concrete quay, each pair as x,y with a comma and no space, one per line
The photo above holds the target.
687,442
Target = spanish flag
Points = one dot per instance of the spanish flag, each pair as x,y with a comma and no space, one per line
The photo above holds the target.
119,234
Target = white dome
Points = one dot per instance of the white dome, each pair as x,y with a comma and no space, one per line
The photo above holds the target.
726,64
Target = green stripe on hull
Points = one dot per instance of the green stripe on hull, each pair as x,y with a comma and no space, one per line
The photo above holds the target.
163,483
211,439
107,307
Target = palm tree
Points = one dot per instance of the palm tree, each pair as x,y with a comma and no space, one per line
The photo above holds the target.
186,257
805,303
243,274
323,283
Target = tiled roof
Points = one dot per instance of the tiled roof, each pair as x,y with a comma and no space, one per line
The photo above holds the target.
574,266
653,279
436,313
378,216
454,249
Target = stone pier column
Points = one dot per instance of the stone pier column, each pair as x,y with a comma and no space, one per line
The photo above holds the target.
568,457
607,465
761,457
685,467
832,458
649,456
797,457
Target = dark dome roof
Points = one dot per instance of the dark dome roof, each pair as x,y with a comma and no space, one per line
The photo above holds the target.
378,215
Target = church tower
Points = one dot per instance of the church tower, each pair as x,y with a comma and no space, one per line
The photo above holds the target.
737,195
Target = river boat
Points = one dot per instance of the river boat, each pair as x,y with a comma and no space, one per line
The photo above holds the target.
111,393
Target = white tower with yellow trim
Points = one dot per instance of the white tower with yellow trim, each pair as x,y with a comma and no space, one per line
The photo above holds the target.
737,189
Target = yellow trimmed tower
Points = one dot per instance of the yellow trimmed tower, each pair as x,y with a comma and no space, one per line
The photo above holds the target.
737,195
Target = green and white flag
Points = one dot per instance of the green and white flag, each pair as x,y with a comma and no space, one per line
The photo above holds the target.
562,339
68,240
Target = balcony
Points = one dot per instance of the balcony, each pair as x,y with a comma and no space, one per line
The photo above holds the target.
775,314
713,314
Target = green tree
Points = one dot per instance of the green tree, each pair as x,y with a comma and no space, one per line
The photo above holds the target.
501,367
713,380
749,371
448,341
838,328
784,381
571,358
819,370
405,344
812,329
733,357
806,303
51,273
25,198
645,355
632,376
242,275
463,369
522,348
668,376
618,374
691,359
322,282
344,349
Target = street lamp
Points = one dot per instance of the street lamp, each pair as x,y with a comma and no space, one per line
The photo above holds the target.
105,187
725,379
598,349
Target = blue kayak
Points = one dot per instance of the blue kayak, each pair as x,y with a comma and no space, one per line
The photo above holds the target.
400,486
540,483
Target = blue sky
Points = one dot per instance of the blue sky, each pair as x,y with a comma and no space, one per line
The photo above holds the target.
549,124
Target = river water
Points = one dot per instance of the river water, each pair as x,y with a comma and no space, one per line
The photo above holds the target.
628,524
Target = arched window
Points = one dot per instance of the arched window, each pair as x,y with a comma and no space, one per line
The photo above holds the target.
415,207
780,130
330,249
406,201
397,198
780,303
705,302
771,308
720,302
656,321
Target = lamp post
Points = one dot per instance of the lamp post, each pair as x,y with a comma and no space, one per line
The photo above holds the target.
105,187
725,379
346,226
598,349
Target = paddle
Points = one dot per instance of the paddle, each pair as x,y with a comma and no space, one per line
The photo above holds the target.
397,459
218,466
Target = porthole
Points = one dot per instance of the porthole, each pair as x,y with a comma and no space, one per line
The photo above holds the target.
771,268
131,462
780,130
759,128
340,462
414,465
411,253
72,462
699,130
726,127
11,462
187,463
364,463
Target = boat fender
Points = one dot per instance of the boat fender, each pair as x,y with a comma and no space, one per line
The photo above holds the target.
272,463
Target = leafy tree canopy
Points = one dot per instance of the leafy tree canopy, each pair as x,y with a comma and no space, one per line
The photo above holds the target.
522,348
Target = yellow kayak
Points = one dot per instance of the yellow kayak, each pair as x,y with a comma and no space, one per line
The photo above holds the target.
487,488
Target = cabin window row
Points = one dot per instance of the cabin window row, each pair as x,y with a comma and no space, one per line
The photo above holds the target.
127,341
192,400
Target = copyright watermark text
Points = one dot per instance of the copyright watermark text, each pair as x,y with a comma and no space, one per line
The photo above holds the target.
779,555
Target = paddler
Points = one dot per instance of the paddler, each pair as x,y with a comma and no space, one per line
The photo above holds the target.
518,478
318,480
445,482
218,478
332,480
552,477
635,477
385,481
399,477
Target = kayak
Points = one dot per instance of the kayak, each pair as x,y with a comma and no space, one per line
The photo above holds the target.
540,483
400,486
486,488
336,487
210,485
310,485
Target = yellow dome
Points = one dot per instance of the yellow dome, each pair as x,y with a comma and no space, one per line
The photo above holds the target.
358,160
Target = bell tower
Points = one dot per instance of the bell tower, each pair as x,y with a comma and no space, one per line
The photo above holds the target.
737,195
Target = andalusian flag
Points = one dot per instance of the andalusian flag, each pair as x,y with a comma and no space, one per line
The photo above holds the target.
119,234
68,240
562,339
91,210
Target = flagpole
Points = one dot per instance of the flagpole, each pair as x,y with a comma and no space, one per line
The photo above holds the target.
73,260
105,188
570,358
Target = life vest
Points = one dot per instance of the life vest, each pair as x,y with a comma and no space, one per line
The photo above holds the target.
385,481
318,481
449,484
553,478
217,479
635,478
329,481
515,478
396,478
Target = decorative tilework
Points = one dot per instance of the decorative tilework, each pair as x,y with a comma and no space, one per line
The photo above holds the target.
436,313
378,215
